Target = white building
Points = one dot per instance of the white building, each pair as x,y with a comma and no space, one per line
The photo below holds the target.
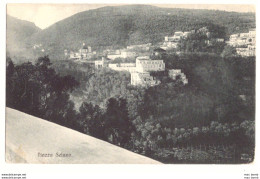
120,54
144,47
175,38
101,63
85,52
145,64
140,70
178,34
171,42
174,73
130,67
220,39
242,39
143,79
74,55
246,52
244,35
244,43
252,32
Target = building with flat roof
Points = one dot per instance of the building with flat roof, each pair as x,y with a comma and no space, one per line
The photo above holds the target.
145,64
130,67
101,63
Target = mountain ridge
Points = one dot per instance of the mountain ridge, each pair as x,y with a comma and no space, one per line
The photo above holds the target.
119,26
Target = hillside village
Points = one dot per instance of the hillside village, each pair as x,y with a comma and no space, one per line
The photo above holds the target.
141,69
244,43
174,85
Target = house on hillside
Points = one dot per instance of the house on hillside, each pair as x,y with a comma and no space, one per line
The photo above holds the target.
174,73
124,53
143,79
101,63
130,67
169,45
246,52
244,43
85,52
144,65
220,40
175,38
252,32
171,42
143,47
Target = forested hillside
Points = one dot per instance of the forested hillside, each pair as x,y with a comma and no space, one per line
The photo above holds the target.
134,24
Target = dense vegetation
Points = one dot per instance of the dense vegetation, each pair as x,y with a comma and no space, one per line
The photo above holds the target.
169,122
199,42
38,90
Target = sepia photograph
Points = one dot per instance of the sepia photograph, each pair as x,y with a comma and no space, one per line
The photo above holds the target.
130,84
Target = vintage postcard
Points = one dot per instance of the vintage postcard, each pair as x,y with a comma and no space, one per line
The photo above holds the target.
130,84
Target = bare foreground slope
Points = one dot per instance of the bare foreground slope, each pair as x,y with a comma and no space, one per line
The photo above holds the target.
34,140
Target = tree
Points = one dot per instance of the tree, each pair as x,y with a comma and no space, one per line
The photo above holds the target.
193,43
91,120
10,69
39,91
118,127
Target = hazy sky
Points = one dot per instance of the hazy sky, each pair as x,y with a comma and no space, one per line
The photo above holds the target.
44,15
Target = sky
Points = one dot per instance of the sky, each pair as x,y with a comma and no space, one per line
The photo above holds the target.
44,15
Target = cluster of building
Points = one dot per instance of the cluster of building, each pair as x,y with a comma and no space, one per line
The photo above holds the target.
171,42
83,53
141,70
244,43
131,51
143,66
210,40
